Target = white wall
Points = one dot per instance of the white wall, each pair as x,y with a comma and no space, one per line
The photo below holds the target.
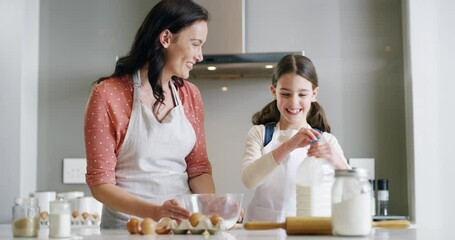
429,87
19,25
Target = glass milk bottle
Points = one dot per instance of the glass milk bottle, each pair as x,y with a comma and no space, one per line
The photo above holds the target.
59,219
315,177
351,203
25,217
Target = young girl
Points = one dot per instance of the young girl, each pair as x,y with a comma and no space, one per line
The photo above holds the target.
270,168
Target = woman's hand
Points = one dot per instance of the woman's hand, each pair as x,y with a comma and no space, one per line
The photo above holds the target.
172,209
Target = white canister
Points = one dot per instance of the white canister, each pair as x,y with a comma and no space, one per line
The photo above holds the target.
60,219
351,203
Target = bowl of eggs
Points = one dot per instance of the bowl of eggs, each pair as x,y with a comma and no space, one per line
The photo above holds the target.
225,207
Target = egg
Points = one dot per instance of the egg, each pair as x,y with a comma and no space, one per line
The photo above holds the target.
75,214
43,215
147,226
133,225
215,218
85,215
162,226
95,216
195,218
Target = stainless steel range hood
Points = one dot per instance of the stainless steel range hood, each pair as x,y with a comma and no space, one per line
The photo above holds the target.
245,65
225,47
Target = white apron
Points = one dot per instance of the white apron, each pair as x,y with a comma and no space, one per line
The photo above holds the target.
275,198
151,163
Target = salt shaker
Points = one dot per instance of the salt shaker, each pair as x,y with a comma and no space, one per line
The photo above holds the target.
383,197
25,217
351,203
60,219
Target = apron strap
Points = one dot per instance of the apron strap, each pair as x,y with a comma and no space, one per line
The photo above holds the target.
269,128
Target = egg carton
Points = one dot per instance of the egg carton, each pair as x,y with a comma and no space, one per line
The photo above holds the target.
86,219
185,226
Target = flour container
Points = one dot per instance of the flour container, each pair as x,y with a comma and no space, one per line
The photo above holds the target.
351,203
60,219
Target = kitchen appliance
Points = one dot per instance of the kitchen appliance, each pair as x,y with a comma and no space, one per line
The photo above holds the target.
225,55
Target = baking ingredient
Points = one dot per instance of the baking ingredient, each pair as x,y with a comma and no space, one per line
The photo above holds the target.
25,217
85,215
195,218
147,226
314,180
351,203
214,219
43,215
59,219
59,225
133,225
314,200
352,217
75,214
26,227
162,226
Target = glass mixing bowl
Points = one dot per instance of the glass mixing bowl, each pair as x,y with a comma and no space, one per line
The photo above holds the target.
227,205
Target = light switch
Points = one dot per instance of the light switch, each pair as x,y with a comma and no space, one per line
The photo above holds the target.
74,170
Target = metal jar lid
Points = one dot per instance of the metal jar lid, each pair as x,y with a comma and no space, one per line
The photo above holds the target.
354,172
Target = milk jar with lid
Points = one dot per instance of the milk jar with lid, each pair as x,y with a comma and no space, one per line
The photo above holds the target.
351,203
60,219
314,180
25,217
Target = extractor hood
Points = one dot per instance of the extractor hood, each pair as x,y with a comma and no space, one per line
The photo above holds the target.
225,46
245,65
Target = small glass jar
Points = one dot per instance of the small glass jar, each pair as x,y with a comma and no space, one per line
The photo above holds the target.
351,203
59,219
25,217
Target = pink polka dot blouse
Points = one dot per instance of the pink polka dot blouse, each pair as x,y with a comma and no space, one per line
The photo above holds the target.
106,122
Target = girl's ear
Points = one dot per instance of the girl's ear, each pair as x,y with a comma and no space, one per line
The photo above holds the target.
315,94
273,91
165,38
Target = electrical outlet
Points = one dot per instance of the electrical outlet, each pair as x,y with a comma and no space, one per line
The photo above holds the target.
74,170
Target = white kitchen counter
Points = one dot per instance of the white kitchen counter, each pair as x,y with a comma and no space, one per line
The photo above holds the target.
241,234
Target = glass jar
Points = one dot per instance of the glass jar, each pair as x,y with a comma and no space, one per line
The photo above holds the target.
25,217
351,203
59,219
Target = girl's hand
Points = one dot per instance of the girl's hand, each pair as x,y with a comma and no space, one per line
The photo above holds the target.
321,150
325,150
304,137
172,209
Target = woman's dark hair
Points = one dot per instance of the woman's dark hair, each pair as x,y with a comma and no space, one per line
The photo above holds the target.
303,67
174,15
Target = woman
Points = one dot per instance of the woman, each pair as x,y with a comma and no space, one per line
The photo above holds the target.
269,167
144,125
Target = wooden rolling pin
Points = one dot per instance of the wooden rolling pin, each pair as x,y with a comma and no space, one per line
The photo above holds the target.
315,225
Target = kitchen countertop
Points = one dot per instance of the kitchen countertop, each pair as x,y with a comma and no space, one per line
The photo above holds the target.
241,234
